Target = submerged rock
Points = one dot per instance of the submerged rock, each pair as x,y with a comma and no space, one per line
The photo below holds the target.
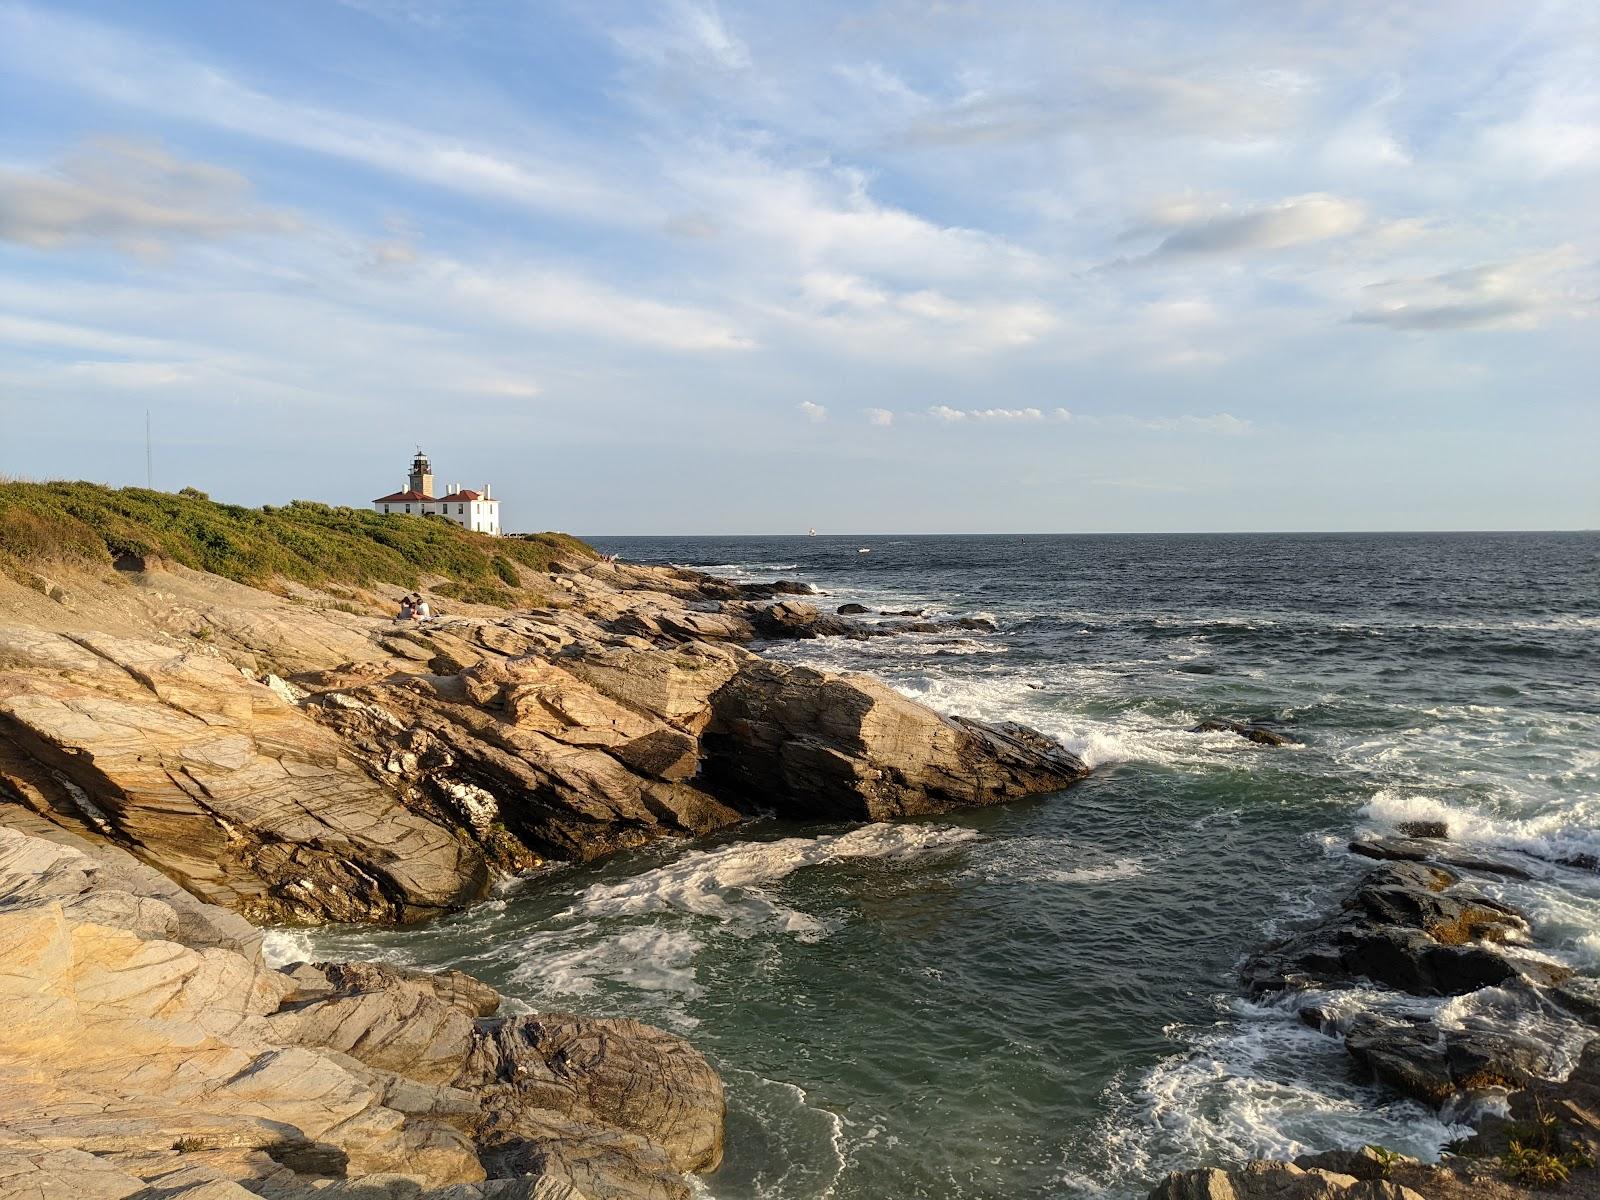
848,610
1415,849
1260,733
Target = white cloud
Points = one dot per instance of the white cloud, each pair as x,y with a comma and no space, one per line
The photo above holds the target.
1519,294
136,375
880,416
559,301
139,75
135,195
691,33
944,412
815,413
1291,222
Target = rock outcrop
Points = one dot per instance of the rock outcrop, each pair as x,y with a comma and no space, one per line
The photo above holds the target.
1408,926
217,781
816,745
1262,732
1415,927
397,779
149,1051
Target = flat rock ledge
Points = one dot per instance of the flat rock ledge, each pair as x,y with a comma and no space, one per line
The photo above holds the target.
151,1054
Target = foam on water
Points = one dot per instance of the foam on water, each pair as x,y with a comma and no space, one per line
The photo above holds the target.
280,947
726,884
927,1011
1554,834
1261,1084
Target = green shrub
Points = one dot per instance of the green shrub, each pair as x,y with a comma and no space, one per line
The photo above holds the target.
1534,1166
304,541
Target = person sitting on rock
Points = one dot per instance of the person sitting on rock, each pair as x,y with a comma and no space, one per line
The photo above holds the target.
405,609
422,609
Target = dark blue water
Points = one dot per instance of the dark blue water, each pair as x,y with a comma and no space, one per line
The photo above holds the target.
1038,1000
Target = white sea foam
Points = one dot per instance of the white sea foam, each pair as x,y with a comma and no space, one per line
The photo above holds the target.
1048,860
1264,1085
1552,832
574,963
280,947
728,883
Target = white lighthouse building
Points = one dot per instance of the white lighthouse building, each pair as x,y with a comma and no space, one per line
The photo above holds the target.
478,512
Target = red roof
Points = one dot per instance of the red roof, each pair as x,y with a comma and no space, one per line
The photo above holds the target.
463,494
404,496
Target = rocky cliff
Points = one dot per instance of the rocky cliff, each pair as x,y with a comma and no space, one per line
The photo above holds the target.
181,755
293,761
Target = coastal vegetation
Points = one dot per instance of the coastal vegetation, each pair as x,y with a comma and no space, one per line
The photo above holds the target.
306,542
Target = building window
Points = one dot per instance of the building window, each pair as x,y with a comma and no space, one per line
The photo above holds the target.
386,509
408,510
461,508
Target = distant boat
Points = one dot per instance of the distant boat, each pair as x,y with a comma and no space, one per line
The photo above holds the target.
864,550
811,533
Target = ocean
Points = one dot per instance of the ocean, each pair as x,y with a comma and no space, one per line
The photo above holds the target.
1039,1000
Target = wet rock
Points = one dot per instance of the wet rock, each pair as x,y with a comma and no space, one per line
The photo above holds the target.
1427,850
1415,1056
1579,995
982,624
791,619
1261,734
1424,829
852,609
1265,1180
901,612
1399,927
778,587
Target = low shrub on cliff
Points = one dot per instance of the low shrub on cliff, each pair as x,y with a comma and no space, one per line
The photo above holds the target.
303,541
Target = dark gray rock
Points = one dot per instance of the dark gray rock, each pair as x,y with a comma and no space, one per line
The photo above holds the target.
1399,927
852,609
1255,732
1399,849
1414,1056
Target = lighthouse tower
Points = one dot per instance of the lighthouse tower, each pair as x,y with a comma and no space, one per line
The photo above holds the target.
421,477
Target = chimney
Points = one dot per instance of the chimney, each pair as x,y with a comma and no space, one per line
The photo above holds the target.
488,493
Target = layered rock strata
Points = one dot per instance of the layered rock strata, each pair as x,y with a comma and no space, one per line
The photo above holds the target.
396,777
150,1052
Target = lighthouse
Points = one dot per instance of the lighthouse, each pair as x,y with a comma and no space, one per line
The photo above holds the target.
476,512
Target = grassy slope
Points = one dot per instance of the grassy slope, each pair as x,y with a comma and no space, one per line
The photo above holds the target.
310,543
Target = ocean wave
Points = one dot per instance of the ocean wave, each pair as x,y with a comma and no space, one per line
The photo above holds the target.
1264,1085
729,884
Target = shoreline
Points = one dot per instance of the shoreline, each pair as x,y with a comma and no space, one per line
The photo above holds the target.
796,620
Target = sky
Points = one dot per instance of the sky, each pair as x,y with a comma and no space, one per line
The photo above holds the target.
882,265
